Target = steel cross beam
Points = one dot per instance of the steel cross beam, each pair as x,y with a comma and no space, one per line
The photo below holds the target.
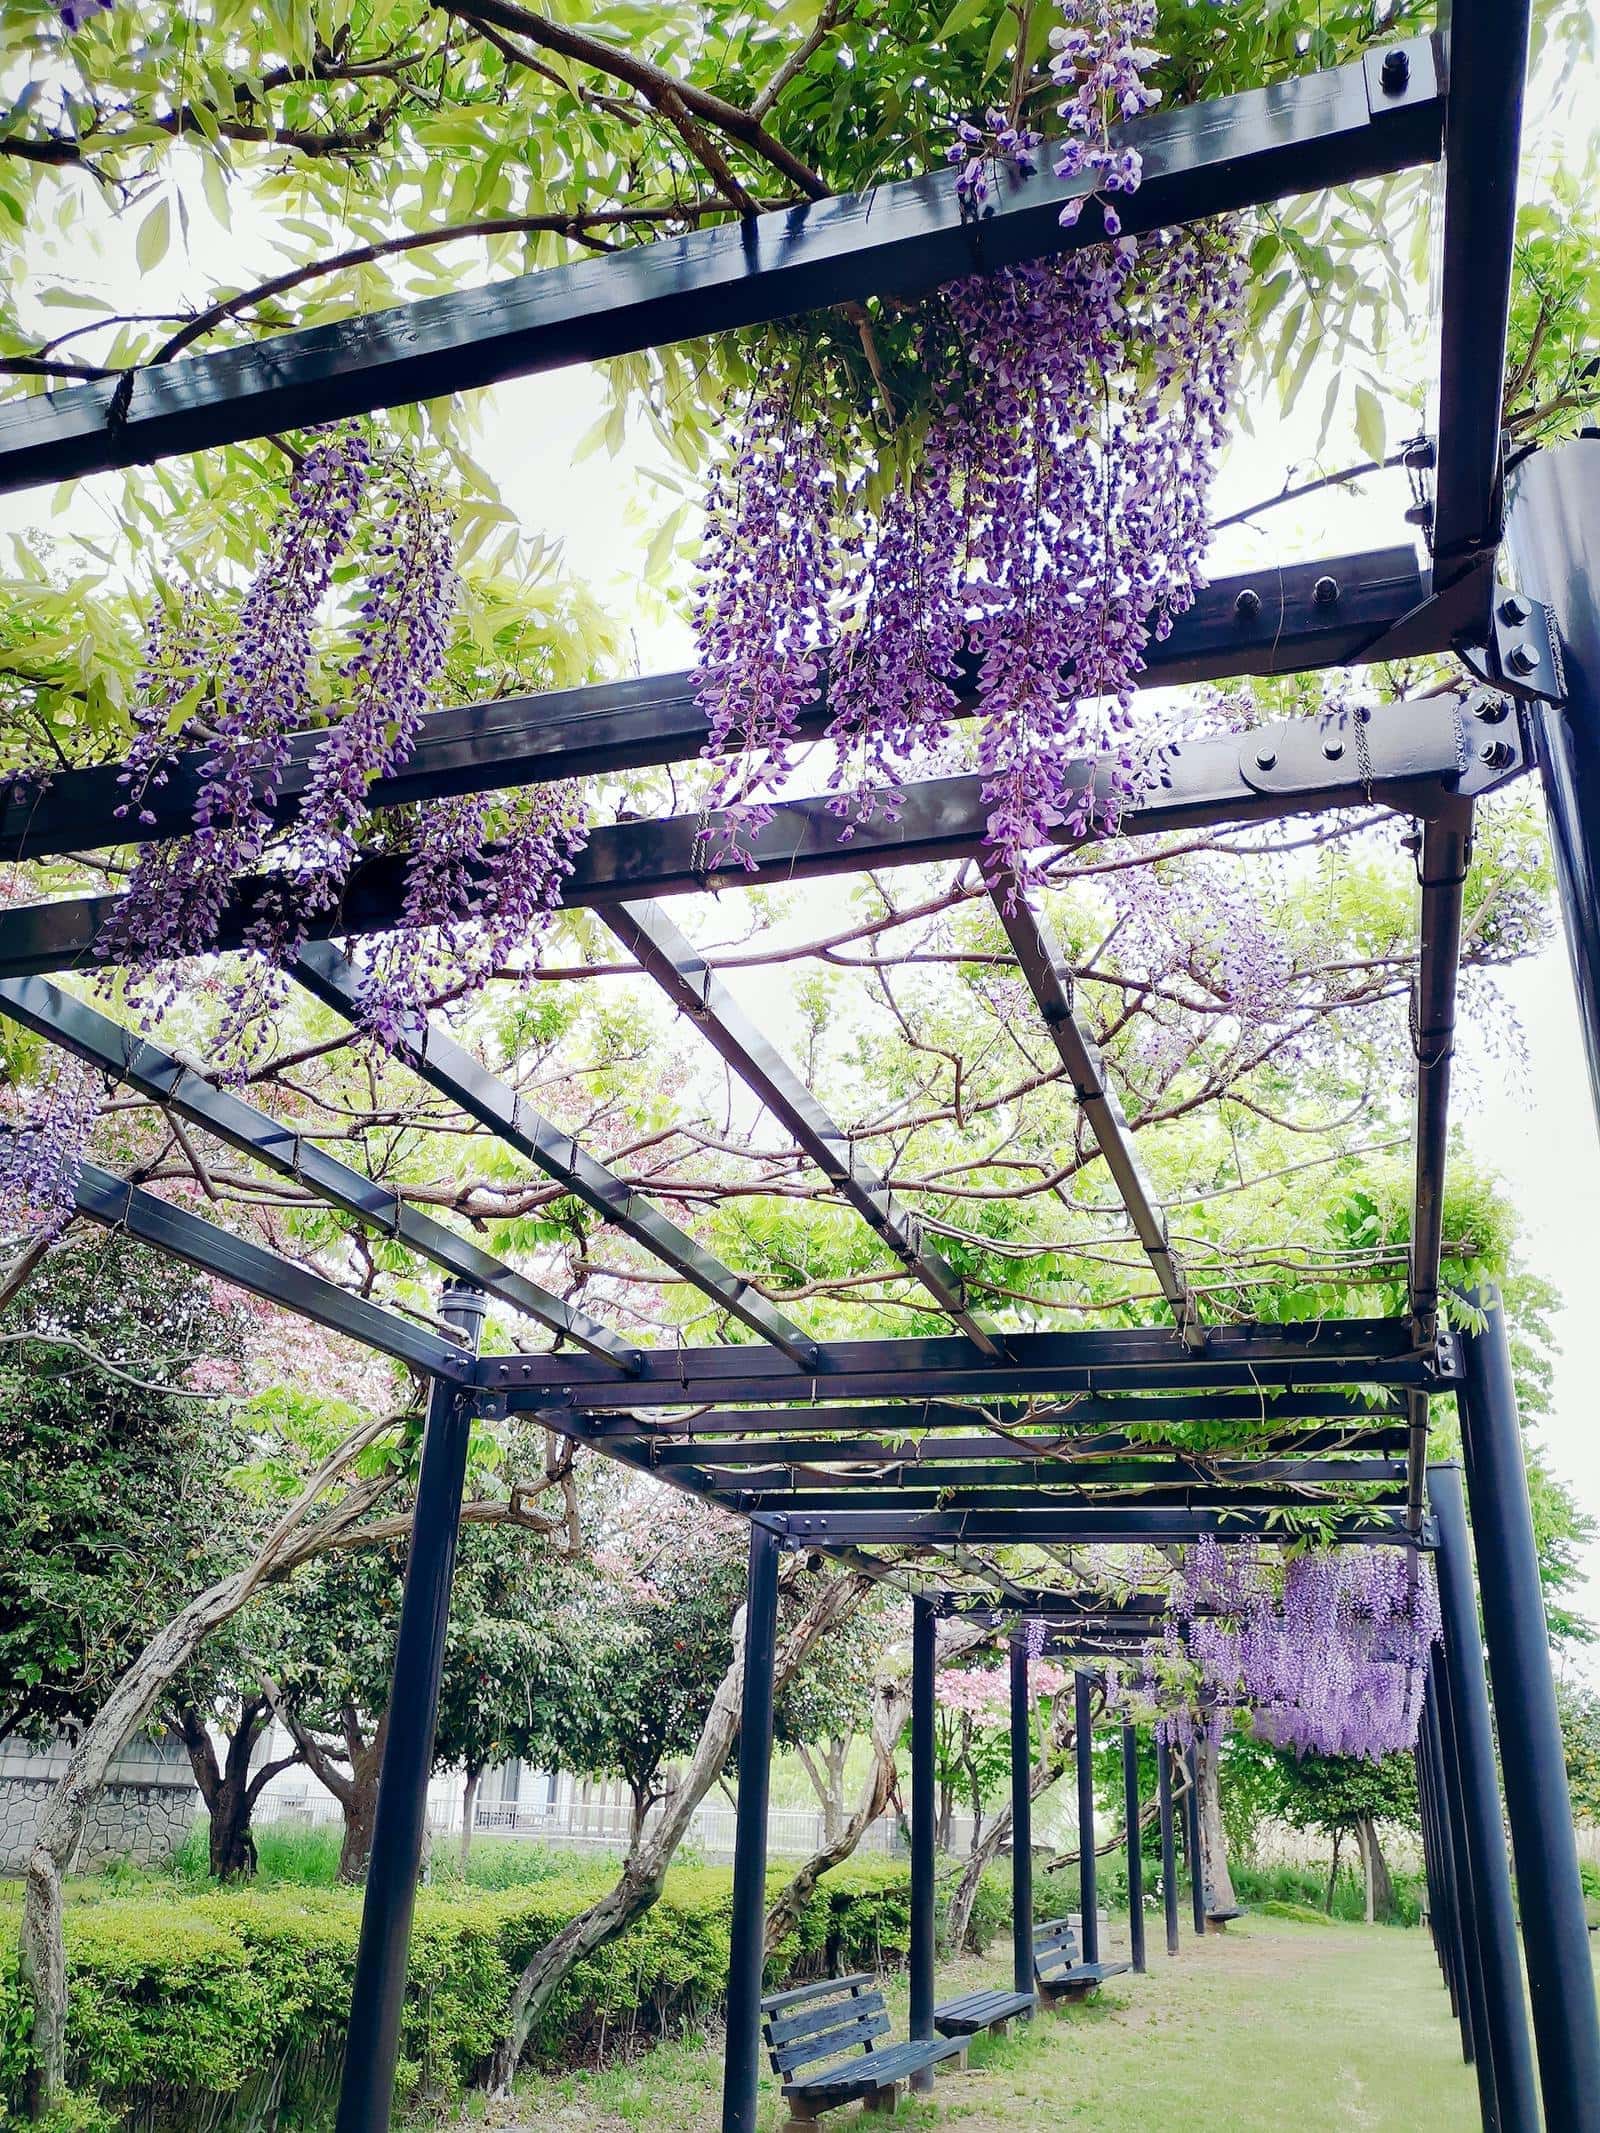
934,1454
794,1471
1417,756
649,935
1261,622
1087,1525
450,1068
133,1061
1200,160
120,1205
1362,1351
1072,1420
1050,982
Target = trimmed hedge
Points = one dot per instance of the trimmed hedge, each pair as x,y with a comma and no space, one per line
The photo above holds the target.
225,2008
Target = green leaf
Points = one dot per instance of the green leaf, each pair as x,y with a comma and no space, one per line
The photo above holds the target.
961,17
155,234
1370,428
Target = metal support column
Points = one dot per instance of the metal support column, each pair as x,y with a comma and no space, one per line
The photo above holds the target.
1021,1822
1493,1927
366,2087
1555,1934
1191,1840
924,1629
1469,1919
1553,529
1169,1849
1083,1746
1462,1976
1130,1798
747,1939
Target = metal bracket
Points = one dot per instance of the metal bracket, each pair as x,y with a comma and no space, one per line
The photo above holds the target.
1400,75
1432,737
1521,656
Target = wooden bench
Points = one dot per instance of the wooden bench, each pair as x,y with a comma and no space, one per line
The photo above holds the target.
979,2011
1056,1968
833,2028
1218,1921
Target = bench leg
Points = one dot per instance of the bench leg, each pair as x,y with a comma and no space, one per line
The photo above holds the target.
884,2099
798,2121
956,2063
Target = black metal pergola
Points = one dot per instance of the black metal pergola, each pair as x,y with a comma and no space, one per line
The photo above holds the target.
913,1460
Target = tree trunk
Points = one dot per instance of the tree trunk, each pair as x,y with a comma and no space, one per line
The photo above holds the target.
1213,1831
646,1868
1050,1765
469,1809
42,1953
1333,1871
1375,1872
360,1799
891,1707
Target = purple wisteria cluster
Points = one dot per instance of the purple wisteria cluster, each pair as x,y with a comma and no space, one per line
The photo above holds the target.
180,887
978,149
479,885
1103,60
1048,514
75,13
44,1138
1326,1652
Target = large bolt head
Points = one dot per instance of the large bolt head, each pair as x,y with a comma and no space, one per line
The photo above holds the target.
1522,658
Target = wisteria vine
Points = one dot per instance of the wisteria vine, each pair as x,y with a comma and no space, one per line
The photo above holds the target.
1047,517
1325,1652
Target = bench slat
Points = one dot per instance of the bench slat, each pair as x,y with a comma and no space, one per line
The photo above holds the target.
810,2021
816,1990
874,2070
980,2010
830,2044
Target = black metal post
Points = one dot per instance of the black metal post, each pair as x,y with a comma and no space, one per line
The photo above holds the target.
1130,1797
1555,1934
1433,1871
1169,1849
1493,1926
924,1629
1463,1976
1191,1840
1083,1744
1021,1822
366,2086
1553,529
747,1941
1470,1939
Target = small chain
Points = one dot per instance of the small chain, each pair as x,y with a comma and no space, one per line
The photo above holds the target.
1363,753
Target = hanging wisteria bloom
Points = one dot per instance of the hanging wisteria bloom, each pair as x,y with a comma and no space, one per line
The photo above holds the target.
1032,526
44,1138
180,888
1327,1652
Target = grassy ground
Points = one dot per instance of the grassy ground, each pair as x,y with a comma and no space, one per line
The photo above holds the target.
1275,2028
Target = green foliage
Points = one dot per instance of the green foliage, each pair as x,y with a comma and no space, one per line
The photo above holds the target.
1332,1793
1580,1733
102,1446
190,2005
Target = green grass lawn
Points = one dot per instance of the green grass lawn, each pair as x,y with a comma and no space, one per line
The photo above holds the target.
1275,2028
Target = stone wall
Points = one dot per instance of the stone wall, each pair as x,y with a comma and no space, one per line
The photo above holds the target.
143,1813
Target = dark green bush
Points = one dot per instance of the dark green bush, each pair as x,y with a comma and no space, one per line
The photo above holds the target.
197,2009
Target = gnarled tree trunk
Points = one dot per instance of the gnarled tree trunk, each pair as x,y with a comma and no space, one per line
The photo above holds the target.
891,1707
1213,1831
228,1788
645,1871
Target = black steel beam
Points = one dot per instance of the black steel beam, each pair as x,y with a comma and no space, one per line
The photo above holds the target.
1446,847
1050,982
1200,160
1485,57
1416,756
695,990
451,1069
746,1939
134,1062
1259,622
972,1461
140,1214
1042,1425
748,1497
1334,1351
1089,1525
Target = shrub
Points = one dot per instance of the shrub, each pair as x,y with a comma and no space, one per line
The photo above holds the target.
225,2007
